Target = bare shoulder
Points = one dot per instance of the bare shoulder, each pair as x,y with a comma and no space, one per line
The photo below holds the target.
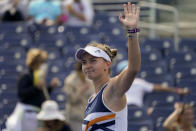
112,100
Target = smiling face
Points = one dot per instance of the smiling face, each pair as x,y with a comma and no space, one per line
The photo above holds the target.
94,67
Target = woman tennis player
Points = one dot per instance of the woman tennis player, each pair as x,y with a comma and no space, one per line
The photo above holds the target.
107,108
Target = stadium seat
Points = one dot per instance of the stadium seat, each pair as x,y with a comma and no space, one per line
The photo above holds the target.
6,80
153,71
164,45
159,114
137,114
56,41
188,44
12,54
165,79
152,99
59,96
16,27
151,56
140,126
102,19
190,98
80,35
180,58
185,71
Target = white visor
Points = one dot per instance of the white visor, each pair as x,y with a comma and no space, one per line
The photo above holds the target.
94,51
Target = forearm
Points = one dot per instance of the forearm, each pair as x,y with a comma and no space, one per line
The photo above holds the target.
134,56
134,62
160,88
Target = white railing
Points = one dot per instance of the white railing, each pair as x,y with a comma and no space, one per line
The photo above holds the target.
153,26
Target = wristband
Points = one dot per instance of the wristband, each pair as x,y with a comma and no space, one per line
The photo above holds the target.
177,90
133,31
132,36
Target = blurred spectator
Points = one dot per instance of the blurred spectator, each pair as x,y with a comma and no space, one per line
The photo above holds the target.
13,13
182,119
81,12
45,12
5,5
77,89
23,7
31,92
51,118
140,87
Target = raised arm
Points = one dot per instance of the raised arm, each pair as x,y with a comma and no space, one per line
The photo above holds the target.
179,91
115,94
171,121
124,80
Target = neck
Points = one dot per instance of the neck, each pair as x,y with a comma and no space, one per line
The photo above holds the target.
99,83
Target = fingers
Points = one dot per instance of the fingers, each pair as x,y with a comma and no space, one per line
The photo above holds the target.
129,8
125,10
133,8
120,17
138,11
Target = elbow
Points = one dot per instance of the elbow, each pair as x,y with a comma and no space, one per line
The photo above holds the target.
135,70
133,73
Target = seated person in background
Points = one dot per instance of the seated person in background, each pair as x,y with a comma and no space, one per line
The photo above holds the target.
45,12
80,12
5,5
51,118
23,7
140,87
78,90
13,13
182,119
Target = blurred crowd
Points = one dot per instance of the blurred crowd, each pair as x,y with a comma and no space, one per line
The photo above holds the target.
48,12
35,111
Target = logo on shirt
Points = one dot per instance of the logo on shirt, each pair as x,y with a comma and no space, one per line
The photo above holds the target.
90,107
97,51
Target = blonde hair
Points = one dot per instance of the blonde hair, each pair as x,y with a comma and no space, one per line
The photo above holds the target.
35,56
184,108
110,52
187,106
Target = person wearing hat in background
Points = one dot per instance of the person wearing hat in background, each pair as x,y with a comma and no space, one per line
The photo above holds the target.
140,87
51,118
31,91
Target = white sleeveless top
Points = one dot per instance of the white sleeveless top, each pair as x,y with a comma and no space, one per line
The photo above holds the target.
98,117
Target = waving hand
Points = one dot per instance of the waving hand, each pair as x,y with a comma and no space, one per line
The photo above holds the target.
131,16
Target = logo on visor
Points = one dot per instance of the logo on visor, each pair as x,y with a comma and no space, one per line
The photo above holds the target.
97,51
